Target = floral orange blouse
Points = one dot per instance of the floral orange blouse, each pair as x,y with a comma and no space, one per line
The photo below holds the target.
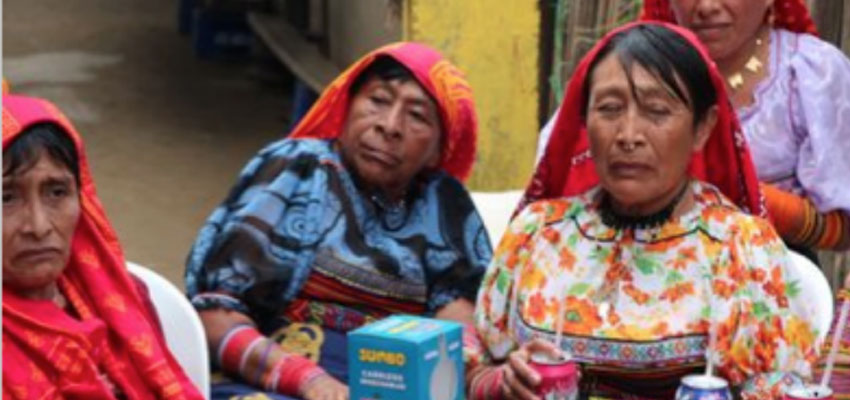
638,304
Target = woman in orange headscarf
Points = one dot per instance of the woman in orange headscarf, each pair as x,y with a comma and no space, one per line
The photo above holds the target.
359,214
75,324
635,244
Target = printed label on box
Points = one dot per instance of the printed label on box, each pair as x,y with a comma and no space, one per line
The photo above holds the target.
406,358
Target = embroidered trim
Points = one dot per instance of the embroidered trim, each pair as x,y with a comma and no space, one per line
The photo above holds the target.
628,354
369,281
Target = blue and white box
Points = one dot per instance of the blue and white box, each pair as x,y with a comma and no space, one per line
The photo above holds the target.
405,357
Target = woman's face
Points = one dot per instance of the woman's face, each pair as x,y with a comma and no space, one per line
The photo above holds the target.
41,207
724,26
391,133
641,146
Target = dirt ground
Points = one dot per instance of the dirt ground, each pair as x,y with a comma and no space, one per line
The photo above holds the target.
166,133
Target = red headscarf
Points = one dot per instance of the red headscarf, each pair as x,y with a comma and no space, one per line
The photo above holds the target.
442,80
567,168
48,354
788,14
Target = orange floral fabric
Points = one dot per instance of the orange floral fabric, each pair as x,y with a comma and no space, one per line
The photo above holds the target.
647,298
47,354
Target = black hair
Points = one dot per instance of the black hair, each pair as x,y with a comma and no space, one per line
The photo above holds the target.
668,56
385,68
25,150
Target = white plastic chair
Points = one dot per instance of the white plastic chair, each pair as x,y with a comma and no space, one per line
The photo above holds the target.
816,291
495,209
181,325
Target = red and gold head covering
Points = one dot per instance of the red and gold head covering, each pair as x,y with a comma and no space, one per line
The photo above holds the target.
792,15
442,80
48,354
567,169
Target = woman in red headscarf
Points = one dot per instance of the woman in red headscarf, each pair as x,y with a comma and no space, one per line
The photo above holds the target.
359,214
637,252
75,325
790,90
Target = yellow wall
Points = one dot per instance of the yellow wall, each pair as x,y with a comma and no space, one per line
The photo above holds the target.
496,44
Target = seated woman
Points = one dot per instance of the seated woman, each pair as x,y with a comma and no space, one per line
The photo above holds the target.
359,214
783,82
635,251
75,324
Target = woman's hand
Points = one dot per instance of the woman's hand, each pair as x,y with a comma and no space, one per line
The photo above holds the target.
520,379
460,310
325,387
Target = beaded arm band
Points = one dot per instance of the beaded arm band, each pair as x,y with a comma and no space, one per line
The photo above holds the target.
798,221
289,375
487,384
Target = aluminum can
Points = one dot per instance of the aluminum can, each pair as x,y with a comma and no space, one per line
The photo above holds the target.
558,377
808,392
703,387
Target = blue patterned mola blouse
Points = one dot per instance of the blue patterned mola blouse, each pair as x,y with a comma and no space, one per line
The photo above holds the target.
297,214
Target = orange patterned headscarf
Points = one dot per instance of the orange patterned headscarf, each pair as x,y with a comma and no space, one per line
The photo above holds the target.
788,14
47,354
442,80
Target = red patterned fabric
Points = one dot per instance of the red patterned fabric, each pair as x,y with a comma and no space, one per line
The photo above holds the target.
47,354
442,80
792,15
567,169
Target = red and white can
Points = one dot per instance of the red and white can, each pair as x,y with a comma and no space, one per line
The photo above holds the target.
808,392
558,377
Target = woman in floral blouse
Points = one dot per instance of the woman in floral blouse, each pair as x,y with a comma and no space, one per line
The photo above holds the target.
636,242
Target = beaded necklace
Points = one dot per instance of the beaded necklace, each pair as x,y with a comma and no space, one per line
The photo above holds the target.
612,219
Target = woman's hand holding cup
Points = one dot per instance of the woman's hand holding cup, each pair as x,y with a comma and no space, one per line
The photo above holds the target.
520,379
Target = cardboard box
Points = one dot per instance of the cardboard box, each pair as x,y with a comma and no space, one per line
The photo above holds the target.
405,357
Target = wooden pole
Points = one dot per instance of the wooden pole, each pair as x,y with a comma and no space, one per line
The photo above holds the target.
845,33
828,16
